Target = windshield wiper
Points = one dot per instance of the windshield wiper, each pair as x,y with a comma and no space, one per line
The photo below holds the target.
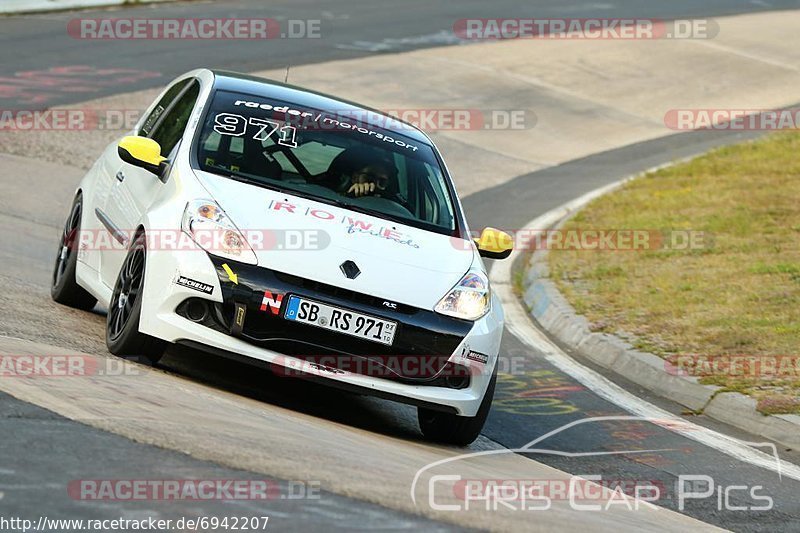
373,212
289,190
252,181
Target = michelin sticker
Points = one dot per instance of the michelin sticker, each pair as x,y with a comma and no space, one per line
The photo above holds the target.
194,284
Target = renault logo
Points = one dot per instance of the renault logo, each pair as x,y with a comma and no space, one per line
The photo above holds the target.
350,269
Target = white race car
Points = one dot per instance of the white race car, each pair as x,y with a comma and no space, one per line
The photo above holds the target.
293,230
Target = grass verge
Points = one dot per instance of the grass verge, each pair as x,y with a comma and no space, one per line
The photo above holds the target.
734,292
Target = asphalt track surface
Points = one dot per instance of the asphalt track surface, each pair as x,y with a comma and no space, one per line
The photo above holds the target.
526,405
52,451
348,29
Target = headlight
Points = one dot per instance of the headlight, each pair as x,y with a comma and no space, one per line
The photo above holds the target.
208,225
469,299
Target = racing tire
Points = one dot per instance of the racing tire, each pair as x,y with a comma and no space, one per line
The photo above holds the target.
122,322
63,287
447,428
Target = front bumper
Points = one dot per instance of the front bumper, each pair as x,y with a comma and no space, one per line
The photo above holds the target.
422,346
428,348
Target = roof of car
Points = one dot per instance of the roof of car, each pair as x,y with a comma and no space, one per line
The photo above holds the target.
302,97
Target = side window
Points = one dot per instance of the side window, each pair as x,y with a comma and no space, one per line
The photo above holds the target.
162,106
433,206
170,127
402,174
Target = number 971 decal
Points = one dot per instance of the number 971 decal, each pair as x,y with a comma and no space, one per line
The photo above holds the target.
237,126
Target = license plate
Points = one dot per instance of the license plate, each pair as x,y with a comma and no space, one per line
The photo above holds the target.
341,320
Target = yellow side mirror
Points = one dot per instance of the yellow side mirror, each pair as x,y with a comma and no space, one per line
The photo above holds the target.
494,244
141,152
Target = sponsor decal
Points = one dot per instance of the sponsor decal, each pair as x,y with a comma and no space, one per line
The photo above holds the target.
389,234
352,225
194,284
325,368
239,313
237,125
273,303
466,354
285,109
477,357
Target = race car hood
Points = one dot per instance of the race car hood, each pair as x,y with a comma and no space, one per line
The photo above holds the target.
311,239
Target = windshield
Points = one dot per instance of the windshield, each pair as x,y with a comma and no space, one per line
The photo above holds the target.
343,160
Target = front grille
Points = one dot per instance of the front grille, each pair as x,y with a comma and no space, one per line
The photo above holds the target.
338,292
422,345
326,348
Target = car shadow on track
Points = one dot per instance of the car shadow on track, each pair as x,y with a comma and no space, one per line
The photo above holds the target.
372,414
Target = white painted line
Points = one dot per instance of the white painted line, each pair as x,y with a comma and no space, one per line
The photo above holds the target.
520,325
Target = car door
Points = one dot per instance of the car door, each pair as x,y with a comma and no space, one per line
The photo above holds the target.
134,189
